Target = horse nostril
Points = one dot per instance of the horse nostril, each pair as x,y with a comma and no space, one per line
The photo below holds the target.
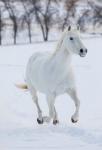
86,50
81,50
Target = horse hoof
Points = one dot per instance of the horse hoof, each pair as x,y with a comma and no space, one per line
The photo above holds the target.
74,121
39,121
55,122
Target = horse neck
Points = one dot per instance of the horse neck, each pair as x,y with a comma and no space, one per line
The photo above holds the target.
62,55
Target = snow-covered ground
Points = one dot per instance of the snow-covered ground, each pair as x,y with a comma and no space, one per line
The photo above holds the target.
18,127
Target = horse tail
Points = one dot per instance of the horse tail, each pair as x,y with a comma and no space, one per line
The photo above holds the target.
22,86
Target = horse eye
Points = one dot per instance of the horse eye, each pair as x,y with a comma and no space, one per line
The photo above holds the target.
71,38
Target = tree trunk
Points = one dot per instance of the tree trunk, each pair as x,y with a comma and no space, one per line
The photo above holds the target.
15,32
42,26
47,32
0,38
15,39
0,29
65,21
43,32
29,33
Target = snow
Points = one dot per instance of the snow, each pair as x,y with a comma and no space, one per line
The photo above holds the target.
18,126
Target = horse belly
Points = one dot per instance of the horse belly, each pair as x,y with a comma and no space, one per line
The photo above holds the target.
64,86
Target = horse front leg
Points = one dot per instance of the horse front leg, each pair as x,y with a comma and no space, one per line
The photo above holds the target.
52,110
73,95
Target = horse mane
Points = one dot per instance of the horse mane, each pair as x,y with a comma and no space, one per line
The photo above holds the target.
61,40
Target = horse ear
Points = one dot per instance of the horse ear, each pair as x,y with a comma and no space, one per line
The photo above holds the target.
69,28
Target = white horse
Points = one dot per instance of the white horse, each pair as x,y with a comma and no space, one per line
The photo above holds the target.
52,74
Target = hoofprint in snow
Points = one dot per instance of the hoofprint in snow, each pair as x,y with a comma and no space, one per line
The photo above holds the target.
18,128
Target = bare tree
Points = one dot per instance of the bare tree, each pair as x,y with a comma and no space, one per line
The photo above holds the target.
97,12
27,17
84,19
1,21
70,7
44,16
13,16
91,16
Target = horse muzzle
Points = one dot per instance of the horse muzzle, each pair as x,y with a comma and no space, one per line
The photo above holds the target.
83,52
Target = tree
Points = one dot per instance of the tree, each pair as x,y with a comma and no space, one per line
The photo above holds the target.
44,14
13,16
84,19
91,16
1,25
70,11
1,21
27,17
97,12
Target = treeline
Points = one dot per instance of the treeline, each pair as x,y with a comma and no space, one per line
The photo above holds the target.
23,14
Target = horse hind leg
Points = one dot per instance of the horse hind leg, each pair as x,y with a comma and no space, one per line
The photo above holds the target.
52,110
52,113
55,120
40,118
35,100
